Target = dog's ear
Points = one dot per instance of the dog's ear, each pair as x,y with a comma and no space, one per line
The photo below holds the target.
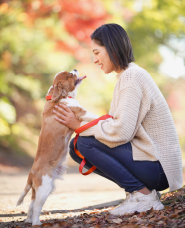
58,92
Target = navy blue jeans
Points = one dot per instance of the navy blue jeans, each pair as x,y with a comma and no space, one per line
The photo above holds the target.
117,165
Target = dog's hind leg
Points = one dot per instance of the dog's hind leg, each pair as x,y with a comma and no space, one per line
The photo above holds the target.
30,210
42,194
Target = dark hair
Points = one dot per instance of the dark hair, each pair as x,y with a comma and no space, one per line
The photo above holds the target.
117,43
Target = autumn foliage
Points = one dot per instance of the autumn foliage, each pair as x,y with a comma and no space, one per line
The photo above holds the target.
172,216
39,38
34,35
78,17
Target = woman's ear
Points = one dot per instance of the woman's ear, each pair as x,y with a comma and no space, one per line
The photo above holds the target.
58,92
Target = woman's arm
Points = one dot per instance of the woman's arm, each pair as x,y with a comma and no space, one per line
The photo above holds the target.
125,122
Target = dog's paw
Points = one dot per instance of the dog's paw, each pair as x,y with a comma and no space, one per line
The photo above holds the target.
28,220
37,223
88,117
70,102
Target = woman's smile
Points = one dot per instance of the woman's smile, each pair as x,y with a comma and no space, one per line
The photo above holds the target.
101,65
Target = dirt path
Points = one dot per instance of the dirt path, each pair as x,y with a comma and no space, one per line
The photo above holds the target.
74,194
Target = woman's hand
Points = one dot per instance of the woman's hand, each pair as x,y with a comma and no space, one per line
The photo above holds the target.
65,116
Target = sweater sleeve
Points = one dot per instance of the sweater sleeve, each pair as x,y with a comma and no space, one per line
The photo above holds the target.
122,127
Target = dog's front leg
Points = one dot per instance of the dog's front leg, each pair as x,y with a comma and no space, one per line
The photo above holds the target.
88,117
42,194
30,210
80,113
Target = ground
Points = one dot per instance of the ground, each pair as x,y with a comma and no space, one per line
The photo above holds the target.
83,201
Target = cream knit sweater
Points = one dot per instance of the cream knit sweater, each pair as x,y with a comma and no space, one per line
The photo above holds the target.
141,116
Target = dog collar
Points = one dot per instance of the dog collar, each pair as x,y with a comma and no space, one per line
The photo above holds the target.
50,97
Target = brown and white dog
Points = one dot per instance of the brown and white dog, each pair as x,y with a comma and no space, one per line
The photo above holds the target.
53,143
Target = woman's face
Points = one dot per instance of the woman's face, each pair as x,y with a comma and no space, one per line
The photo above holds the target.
101,57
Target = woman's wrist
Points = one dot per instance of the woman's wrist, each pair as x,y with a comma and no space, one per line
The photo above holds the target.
77,125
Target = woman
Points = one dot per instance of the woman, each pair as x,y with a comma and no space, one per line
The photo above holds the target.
139,148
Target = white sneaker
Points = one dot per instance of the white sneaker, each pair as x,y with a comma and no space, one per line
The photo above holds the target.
137,201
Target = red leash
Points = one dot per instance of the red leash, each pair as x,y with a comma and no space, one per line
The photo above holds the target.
78,131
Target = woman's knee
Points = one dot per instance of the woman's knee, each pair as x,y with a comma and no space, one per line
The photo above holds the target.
83,144
72,153
87,145
86,142
82,141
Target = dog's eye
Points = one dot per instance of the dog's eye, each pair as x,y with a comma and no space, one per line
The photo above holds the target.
70,75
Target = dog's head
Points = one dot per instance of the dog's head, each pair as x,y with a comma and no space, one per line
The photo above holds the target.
65,84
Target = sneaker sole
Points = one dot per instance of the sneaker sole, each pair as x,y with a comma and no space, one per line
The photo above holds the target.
158,206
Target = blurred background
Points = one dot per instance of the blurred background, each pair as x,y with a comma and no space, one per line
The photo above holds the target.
42,37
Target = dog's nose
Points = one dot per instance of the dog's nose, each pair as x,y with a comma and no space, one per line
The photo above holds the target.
75,70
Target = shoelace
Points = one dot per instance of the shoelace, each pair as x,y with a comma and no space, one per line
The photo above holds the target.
128,197
131,196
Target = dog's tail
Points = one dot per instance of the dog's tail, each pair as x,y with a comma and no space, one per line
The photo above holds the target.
26,190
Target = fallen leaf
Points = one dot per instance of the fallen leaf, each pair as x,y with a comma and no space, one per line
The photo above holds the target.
134,220
47,224
131,226
46,213
143,214
168,208
152,219
93,212
174,216
150,215
118,220
93,219
144,220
